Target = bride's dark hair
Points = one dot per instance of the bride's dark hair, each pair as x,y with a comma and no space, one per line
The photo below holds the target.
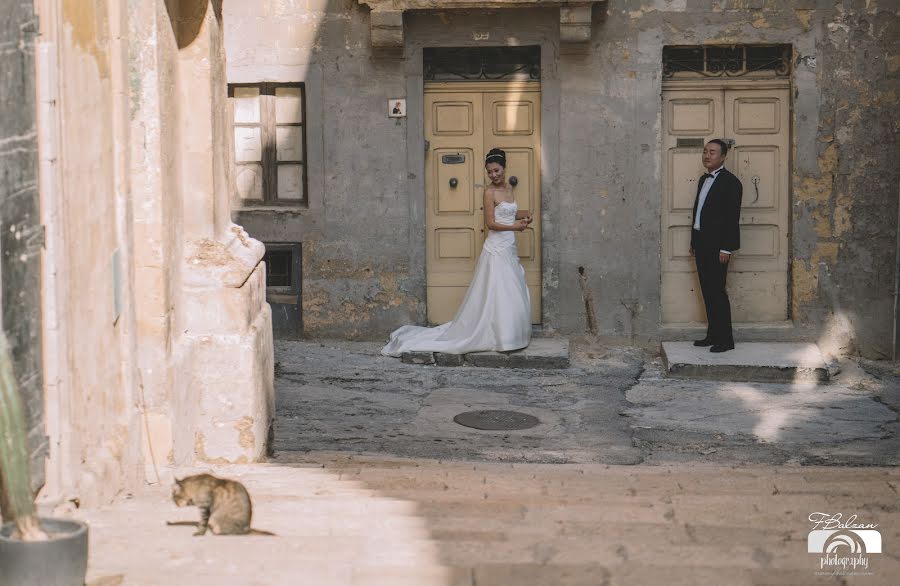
496,156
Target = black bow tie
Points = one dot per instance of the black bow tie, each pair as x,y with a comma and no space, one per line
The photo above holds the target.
707,175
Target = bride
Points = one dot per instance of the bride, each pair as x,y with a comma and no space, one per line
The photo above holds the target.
496,311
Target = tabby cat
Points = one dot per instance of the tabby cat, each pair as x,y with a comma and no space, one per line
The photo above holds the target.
224,504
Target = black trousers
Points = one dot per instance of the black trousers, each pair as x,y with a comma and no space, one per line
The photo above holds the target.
715,297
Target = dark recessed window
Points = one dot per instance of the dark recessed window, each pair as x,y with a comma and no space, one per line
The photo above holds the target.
482,63
724,59
279,268
283,288
683,58
727,60
763,58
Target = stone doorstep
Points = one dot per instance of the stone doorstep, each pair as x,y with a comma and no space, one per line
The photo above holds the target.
543,353
780,362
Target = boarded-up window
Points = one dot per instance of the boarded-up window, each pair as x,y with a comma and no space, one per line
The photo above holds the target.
269,143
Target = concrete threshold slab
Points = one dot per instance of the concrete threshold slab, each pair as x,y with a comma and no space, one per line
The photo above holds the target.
784,362
543,353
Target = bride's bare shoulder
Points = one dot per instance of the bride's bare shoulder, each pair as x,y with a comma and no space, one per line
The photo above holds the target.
498,194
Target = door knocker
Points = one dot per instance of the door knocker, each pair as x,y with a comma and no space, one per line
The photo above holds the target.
755,181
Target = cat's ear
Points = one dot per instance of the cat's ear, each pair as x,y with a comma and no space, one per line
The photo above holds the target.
177,481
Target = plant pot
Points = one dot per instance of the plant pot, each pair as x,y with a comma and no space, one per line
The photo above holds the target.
60,561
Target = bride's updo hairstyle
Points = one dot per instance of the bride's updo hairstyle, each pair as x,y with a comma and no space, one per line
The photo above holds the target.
496,156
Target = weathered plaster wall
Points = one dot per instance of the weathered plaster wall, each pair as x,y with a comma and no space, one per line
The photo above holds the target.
846,200
363,268
358,244
20,229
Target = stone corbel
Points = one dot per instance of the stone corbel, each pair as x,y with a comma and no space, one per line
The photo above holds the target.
575,24
386,18
386,27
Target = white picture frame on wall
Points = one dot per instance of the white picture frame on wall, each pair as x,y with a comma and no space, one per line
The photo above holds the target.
397,108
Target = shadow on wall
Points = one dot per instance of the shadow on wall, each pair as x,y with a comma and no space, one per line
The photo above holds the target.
186,18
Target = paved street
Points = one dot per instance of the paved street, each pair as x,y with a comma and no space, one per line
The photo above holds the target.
613,406
346,520
628,479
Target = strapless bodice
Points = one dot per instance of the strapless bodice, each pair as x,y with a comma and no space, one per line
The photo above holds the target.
504,213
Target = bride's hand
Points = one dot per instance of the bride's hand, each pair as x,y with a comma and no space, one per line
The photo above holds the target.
521,225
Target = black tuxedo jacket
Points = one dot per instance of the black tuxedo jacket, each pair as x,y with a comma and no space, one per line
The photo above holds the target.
721,214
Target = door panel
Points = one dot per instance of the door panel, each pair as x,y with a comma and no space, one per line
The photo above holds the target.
758,121
463,122
455,166
515,123
692,118
452,164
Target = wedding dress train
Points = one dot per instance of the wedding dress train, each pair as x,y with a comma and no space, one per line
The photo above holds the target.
496,311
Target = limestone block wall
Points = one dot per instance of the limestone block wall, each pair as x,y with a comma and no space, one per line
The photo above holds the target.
89,327
157,339
363,238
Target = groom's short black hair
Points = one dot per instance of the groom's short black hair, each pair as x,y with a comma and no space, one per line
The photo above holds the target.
722,145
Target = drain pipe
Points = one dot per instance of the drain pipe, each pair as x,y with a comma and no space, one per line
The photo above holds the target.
588,296
897,287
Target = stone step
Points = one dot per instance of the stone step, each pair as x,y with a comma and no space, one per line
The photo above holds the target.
542,353
783,362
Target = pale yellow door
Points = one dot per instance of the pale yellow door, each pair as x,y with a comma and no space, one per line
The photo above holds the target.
757,120
462,122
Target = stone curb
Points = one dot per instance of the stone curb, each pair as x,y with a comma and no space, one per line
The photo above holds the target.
544,353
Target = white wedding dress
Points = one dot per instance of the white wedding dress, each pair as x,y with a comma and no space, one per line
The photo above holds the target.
496,311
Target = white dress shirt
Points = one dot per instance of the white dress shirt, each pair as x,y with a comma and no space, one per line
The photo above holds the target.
704,191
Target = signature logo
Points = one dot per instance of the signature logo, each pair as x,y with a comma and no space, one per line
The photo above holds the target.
843,545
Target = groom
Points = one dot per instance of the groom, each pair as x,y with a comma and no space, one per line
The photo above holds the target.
715,235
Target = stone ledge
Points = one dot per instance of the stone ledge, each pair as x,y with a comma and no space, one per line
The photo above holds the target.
417,358
748,362
542,353
386,18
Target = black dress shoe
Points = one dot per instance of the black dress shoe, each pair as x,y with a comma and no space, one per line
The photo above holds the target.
721,348
703,343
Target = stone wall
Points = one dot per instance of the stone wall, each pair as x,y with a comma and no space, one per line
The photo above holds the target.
158,339
363,234
359,262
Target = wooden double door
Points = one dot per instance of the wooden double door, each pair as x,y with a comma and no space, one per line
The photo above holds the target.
463,121
756,119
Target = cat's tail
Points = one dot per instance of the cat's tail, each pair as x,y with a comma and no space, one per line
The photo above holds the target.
260,532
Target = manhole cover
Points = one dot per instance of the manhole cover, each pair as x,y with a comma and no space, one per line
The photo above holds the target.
496,420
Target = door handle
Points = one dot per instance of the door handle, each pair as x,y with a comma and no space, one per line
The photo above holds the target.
453,182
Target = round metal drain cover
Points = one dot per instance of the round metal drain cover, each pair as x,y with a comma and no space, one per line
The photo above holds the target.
496,420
